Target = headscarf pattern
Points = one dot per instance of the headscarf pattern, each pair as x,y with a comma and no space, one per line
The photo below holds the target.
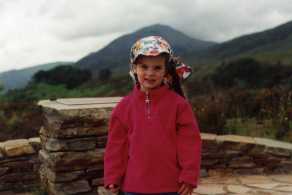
154,46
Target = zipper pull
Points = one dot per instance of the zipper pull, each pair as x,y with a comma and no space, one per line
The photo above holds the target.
147,101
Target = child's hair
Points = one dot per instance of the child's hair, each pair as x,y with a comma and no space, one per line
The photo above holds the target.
175,80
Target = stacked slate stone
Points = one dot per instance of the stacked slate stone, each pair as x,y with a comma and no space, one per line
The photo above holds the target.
19,165
241,155
73,139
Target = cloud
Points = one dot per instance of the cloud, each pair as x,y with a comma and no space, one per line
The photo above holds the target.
98,18
39,31
225,19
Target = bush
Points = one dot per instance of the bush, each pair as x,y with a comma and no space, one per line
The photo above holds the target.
249,73
69,76
210,111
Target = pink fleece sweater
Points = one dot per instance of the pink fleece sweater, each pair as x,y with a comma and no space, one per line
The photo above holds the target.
153,143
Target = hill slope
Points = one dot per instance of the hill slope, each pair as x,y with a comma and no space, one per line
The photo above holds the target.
273,45
116,54
15,79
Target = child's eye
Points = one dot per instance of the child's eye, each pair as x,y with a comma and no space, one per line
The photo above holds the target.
157,67
143,66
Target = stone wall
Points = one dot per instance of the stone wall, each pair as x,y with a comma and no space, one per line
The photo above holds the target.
233,154
19,164
73,139
71,146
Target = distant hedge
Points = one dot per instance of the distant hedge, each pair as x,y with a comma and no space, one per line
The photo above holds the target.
67,75
250,73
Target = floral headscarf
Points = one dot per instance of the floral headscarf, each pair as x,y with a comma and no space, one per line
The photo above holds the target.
154,46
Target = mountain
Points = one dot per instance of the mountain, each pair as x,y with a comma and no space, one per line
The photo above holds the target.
15,79
116,54
270,45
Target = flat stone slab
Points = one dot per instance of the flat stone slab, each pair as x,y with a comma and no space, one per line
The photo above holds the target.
17,147
219,180
282,178
208,136
80,103
244,185
73,111
267,186
238,189
83,101
255,179
71,161
273,143
210,189
236,138
36,140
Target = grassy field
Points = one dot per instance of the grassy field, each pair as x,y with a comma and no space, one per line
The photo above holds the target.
251,127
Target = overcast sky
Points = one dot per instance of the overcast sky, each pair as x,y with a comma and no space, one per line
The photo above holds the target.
34,32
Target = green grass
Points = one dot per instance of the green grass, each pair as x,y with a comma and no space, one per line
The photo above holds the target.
251,127
285,57
42,91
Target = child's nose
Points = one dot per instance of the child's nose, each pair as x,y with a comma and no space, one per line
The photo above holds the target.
150,71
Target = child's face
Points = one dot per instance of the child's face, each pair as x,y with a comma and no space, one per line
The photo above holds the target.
150,71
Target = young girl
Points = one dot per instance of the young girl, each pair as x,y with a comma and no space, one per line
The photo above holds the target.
154,143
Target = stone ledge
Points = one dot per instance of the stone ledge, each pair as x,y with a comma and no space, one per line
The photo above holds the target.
29,146
273,143
18,147
34,140
80,103
256,141
208,136
235,138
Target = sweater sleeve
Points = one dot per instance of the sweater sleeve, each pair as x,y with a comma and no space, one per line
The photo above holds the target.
116,153
188,145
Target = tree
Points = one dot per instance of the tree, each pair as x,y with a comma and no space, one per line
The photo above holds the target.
67,75
245,72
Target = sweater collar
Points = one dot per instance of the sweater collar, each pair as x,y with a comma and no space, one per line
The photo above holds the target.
153,93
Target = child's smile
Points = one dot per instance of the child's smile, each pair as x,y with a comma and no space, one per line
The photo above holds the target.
150,71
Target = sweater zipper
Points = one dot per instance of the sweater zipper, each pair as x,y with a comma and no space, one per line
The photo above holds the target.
147,101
